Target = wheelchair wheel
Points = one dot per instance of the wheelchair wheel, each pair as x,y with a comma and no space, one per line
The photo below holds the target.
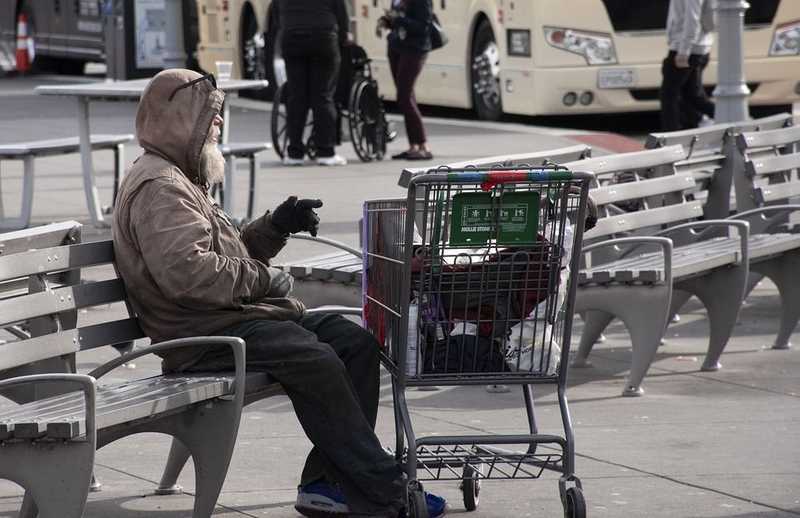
367,121
279,126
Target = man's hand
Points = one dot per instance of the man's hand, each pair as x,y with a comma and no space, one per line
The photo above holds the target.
681,61
280,283
293,216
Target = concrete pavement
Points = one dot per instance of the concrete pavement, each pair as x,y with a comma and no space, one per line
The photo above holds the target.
724,444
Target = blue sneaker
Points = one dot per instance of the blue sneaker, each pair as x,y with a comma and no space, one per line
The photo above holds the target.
320,500
437,506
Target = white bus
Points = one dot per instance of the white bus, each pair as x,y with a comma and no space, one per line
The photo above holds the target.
535,57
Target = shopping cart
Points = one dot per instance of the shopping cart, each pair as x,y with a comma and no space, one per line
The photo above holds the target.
470,281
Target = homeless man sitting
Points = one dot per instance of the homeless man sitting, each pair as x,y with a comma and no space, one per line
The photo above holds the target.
190,272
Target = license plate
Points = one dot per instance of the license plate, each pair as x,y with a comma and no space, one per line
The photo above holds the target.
616,78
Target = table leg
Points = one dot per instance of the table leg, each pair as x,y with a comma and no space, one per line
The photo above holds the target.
89,187
227,200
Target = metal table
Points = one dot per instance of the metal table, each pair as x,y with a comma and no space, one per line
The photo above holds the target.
130,90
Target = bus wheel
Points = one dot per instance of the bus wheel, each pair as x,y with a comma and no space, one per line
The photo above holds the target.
485,75
252,47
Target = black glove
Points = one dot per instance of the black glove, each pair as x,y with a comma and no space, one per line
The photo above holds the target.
280,283
293,216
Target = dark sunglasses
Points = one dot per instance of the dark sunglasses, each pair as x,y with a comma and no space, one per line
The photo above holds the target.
210,78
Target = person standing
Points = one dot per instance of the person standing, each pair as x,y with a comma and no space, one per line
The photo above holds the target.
683,99
409,42
312,33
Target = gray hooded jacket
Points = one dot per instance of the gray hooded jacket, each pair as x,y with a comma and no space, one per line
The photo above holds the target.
187,270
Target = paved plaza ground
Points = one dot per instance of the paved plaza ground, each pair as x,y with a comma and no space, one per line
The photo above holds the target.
722,444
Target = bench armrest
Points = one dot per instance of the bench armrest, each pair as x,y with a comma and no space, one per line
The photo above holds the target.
236,344
634,243
759,219
742,226
331,242
337,310
85,383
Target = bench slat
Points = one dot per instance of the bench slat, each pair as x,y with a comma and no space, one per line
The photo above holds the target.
771,138
68,298
773,164
60,145
763,246
14,354
649,218
48,260
155,396
37,237
780,191
629,161
635,190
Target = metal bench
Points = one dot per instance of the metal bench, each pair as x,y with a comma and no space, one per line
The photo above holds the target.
768,191
49,439
335,278
712,156
28,151
641,196
231,152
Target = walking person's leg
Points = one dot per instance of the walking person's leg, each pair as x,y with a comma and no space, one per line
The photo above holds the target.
297,104
323,79
673,79
406,70
327,405
693,91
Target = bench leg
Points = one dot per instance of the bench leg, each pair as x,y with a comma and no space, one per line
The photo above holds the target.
208,431
782,271
679,299
27,192
178,455
594,323
227,204
643,310
251,194
722,293
119,170
55,477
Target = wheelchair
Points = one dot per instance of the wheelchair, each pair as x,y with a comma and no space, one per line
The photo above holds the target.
358,103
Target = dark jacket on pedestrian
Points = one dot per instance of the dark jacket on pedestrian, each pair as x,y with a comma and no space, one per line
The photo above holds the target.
411,26
188,271
312,17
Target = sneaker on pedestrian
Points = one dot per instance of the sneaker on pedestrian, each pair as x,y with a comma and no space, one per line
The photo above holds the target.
321,499
287,160
331,160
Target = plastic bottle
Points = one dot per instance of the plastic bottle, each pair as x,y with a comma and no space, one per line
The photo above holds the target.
413,340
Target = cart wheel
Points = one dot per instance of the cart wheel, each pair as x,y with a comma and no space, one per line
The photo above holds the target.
367,121
470,488
417,506
574,504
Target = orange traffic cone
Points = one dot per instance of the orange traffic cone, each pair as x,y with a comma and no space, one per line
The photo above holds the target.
24,45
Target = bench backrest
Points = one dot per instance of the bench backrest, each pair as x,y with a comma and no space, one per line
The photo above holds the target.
712,157
642,192
43,288
538,158
771,171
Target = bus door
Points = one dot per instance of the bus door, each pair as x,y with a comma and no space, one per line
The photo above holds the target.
446,73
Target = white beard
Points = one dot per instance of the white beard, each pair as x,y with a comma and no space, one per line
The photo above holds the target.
212,164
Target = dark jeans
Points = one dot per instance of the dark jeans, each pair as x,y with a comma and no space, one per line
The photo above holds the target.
406,67
329,368
312,68
683,99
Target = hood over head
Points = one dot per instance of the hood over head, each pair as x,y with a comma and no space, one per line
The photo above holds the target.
176,130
